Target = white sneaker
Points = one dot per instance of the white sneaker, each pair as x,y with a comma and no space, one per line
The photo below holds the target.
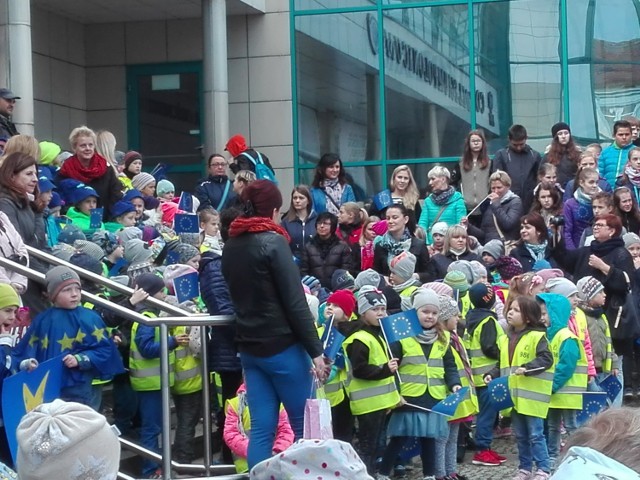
379,476
540,475
429,477
522,475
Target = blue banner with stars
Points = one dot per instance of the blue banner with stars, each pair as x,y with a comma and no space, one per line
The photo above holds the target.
186,223
592,404
187,287
449,405
401,325
499,393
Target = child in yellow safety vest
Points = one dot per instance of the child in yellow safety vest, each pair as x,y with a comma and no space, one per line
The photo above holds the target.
570,369
370,374
428,373
340,305
401,277
526,359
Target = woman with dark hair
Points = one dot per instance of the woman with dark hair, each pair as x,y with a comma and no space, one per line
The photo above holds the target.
276,336
626,209
563,153
22,204
534,242
456,247
330,188
471,174
300,219
399,238
325,253
547,201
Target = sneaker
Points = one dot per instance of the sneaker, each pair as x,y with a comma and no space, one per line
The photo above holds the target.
497,456
502,432
485,457
399,471
156,474
379,476
628,392
540,475
522,475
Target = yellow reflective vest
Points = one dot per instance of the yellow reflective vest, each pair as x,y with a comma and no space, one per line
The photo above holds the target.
569,396
334,388
468,406
145,372
188,369
418,373
531,394
366,396
480,363
583,326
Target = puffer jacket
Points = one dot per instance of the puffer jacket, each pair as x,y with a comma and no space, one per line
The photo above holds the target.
507,212
612,161
453,211
312,263
439,263
300,232
223,355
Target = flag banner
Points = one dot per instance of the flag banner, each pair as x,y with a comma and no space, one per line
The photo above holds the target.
187,287
612,386
383,199
449,405
95,217
499,393
186,202
401,325
332,341
186,223
592,404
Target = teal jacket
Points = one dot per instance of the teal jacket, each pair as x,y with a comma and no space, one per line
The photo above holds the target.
454,210
612,161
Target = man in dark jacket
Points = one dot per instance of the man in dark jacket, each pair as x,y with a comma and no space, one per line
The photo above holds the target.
216,191
7,102
237,146
521,162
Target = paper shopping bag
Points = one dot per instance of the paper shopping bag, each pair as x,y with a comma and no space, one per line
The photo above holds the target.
317,419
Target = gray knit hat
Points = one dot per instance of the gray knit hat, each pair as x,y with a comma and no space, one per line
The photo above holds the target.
448,308
465,267
90,248
425,296
186,252
403,265
495,248
59,277
630,239
141,180
367,277
136,251
370,297
589,287
561,286
479,270
129,233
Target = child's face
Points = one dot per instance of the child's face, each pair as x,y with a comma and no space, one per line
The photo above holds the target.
588,162
211,227
161,295
88,204
168,196
69,297
438,240
135,167
238,185
546,321
550,176
46,197
7,317
514,317
545,199
369,234
128,219
598,300
634,159
344,217
595,152
138,203
336,311
194,261
626,202
589,184
149,189
600,207
623,136
373,315
452,324
634,250
488,259
428,316
573,300
394,279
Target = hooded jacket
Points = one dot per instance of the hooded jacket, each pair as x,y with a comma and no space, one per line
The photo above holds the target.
559,310
612,161
589,464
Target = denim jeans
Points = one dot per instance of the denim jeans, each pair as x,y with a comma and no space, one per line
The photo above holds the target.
554,420
188,412
485,419
446,452
532,446
151,417
125,405
281,378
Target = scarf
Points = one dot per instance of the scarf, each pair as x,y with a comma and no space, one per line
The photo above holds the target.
457,346
582,197
633,175
601,249
72,168
255,225
366,256
537,251
409,283
334,190
396,247
442,197
427,337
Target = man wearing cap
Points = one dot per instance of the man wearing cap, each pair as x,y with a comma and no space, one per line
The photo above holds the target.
7,101
237,146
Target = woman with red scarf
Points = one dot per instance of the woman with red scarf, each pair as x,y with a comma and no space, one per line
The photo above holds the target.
88,167
275,331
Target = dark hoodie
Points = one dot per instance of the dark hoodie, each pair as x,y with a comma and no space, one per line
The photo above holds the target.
489,334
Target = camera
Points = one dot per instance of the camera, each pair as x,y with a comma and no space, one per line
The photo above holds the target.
558,220
18,259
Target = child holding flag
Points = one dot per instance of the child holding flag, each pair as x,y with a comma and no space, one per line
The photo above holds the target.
526,360
372,389
427,371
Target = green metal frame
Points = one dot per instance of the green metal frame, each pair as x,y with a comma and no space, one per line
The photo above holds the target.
378,8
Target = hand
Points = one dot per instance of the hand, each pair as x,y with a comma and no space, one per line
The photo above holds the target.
520,371
393,365
615,372
138,295
401,402
487,379
456,388
493,197
117,339
32,364
431,250
70,361
182,339
464,221
321,368
636,262
597,263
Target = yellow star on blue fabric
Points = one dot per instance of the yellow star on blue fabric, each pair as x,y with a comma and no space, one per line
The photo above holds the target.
33,340
80,336
45,342
66,343
98,333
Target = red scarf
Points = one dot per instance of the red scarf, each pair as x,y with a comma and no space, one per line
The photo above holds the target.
72,168
255,225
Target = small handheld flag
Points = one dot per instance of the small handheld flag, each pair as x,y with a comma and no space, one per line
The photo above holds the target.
592,404
186,202
410,449
95,217
187,287
383,199
332,340
612,386
499,394
186,223
401,325
449,405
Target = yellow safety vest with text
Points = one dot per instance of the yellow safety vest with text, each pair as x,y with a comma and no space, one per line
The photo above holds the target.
418,373
480,363
188,369
145,372
570,395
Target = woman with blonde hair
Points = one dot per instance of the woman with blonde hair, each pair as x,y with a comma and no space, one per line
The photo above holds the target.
456,247
444,204
23,144
404,190
106,146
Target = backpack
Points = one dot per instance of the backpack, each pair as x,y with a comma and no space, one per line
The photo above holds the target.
263,172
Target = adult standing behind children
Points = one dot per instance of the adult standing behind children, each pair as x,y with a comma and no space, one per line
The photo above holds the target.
614,158
563,153
444,204
276,336
216,191
521,162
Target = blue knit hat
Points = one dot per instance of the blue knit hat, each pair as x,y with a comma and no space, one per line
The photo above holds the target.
122,208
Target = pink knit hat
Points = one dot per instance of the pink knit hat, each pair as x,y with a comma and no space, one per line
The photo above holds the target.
440,288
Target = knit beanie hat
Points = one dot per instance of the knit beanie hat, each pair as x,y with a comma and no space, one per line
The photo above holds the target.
367,277
164,186
149,282
559,126
129,233
508,267
262,198
495,248
8,296
175,271
313,283
90,248
424,296
440,288
236,145
345,300
588,287
87,262
56,201
561,286
66,440
439,228
465,267
448,308
403,265
107,241
479,270
540,264
70,233
129,158
482,295
342,280
186,252
457,281
630,239
141,180
63,251
131,194
548,273
136,251
48,152
44,184
122,207
150,202
380,228
370,297
59,277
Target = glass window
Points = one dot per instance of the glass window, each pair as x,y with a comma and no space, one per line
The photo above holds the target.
364,180
326,4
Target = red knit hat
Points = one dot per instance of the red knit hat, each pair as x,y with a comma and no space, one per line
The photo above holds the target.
264,197
345,300
236,145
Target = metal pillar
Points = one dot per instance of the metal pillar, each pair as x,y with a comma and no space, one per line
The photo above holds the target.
216,84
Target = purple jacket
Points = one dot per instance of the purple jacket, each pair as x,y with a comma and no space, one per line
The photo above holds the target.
577,217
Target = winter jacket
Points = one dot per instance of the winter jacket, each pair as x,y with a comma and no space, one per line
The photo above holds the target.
11,244
28,223
522,167
300,232
320,200
223,354
259,267
589,464
523,255
453,211
210,190
417,247
507,211
439,263
582,332
473,185
82,221
612,161
7,128
577,217
338,257
566,169
568,189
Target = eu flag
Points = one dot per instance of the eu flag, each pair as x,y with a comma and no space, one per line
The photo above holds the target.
186,202
95,217
410,449
449,405
160,171
186,223
612,386
592,404
499,394
332,340
383,199
173,257
401,325
187,287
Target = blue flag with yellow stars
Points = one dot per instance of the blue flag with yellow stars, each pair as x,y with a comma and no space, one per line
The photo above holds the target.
612,386
449,405
332,340
187,287
186,223
79,332
499,393
186,202
401,325
24,391
592,404
95,217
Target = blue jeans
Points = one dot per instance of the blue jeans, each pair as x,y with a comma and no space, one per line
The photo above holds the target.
485,419
151,418
281,378
554,420
446,452
532,446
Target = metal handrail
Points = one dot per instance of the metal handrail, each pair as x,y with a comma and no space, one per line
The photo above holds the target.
182,318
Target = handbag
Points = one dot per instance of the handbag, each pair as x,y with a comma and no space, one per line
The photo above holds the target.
317,418
508,244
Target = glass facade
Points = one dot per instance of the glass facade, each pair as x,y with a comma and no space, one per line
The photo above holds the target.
448,67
